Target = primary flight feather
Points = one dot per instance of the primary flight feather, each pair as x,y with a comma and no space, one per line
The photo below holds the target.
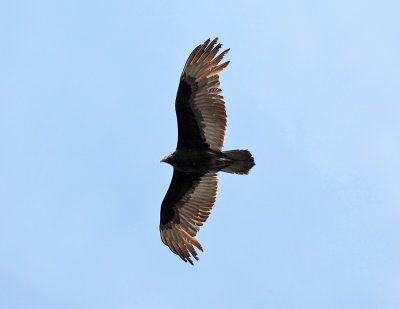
201,117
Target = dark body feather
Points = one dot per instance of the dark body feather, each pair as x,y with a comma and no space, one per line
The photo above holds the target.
181,183
189,134
201,117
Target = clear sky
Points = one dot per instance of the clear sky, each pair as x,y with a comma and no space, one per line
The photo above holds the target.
87,92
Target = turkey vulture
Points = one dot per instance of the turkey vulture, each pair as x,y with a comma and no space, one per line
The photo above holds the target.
201,116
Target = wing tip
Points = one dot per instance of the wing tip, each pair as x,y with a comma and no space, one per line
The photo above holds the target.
204,58
180,243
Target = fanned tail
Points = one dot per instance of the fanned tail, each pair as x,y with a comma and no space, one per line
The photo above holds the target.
242,161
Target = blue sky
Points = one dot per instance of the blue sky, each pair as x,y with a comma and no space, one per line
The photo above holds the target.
87,95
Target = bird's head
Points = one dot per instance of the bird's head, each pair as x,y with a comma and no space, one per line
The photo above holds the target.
167,159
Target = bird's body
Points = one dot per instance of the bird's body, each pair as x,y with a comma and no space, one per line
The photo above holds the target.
198,157
197,161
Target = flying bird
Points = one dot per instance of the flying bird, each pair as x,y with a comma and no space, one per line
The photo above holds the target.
201,116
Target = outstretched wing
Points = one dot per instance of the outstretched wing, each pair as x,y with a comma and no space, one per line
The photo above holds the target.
200,109
185,207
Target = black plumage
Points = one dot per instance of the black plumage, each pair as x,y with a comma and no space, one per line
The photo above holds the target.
201,117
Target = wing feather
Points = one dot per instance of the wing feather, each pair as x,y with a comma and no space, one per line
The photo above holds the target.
200,110
184,212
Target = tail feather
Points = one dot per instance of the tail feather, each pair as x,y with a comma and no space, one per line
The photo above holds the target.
242,161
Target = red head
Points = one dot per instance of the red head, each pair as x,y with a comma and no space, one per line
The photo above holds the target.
166,159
